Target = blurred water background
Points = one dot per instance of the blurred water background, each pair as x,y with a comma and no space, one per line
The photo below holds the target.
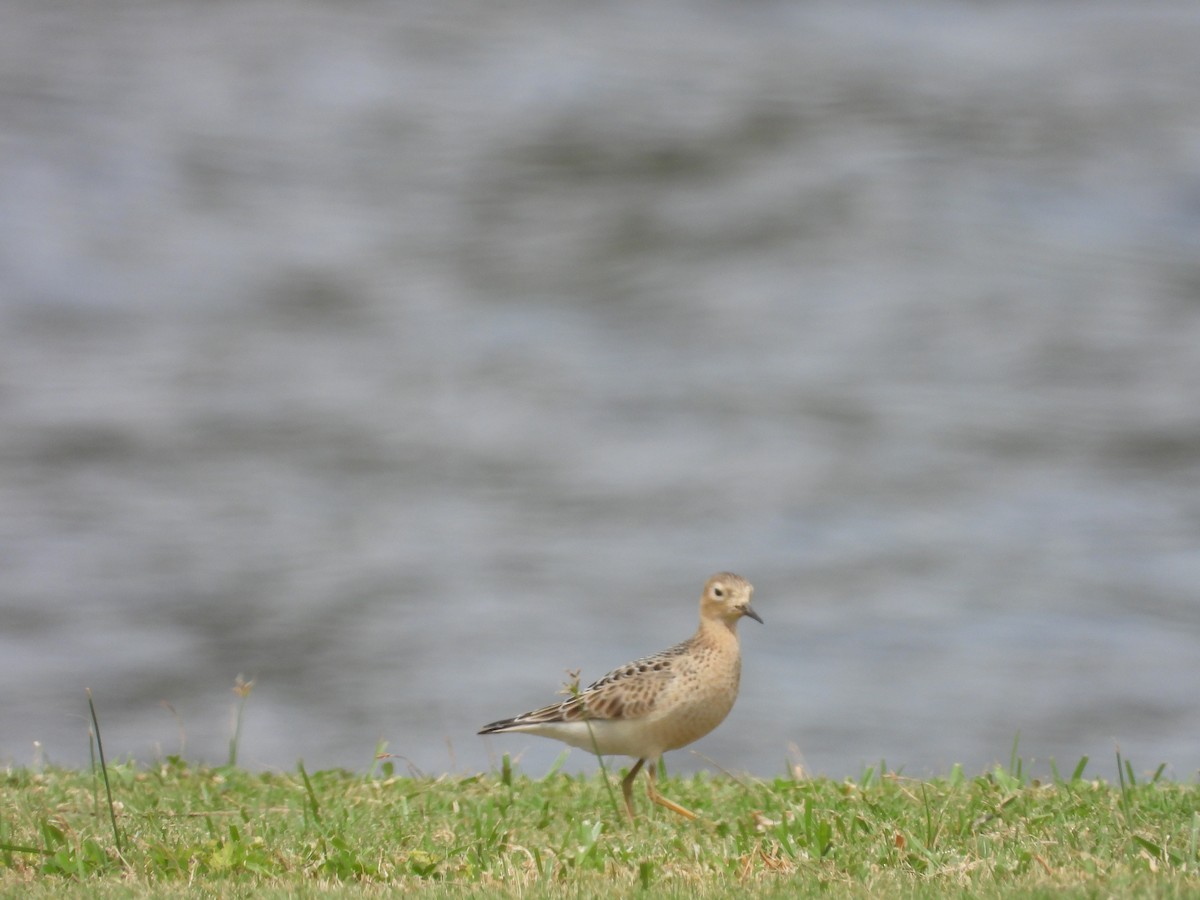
403,356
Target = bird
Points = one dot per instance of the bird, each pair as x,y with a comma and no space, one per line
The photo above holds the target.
657,703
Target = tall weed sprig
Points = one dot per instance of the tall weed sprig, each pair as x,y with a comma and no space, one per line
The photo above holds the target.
242,688
572,688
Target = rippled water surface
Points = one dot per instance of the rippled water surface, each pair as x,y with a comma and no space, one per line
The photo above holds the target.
403,357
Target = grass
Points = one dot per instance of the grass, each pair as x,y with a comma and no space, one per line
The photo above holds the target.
189,830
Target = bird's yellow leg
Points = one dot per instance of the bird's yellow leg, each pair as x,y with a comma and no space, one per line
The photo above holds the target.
627,786
659,798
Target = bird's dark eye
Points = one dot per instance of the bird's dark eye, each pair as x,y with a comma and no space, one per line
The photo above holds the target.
718,592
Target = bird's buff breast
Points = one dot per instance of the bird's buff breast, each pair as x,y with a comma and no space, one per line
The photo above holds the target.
701,701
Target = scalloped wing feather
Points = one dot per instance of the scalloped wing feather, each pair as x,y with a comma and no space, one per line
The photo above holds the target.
630,692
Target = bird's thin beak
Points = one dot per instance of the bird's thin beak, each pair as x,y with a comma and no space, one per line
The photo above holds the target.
748,611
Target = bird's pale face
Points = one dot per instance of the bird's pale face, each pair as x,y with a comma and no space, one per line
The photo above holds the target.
727,597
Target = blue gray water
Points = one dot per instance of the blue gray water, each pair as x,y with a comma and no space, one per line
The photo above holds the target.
404,356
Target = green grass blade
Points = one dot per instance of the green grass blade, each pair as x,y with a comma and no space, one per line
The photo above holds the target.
557,764
1077,775
313,805
112,810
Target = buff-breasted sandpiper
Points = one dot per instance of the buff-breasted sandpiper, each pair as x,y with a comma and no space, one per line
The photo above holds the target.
657,703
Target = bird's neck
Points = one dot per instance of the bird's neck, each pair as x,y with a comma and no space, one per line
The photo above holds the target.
718,633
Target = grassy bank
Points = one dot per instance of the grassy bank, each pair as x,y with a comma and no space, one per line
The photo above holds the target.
192,830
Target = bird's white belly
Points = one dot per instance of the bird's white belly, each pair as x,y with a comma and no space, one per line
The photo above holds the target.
637,738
